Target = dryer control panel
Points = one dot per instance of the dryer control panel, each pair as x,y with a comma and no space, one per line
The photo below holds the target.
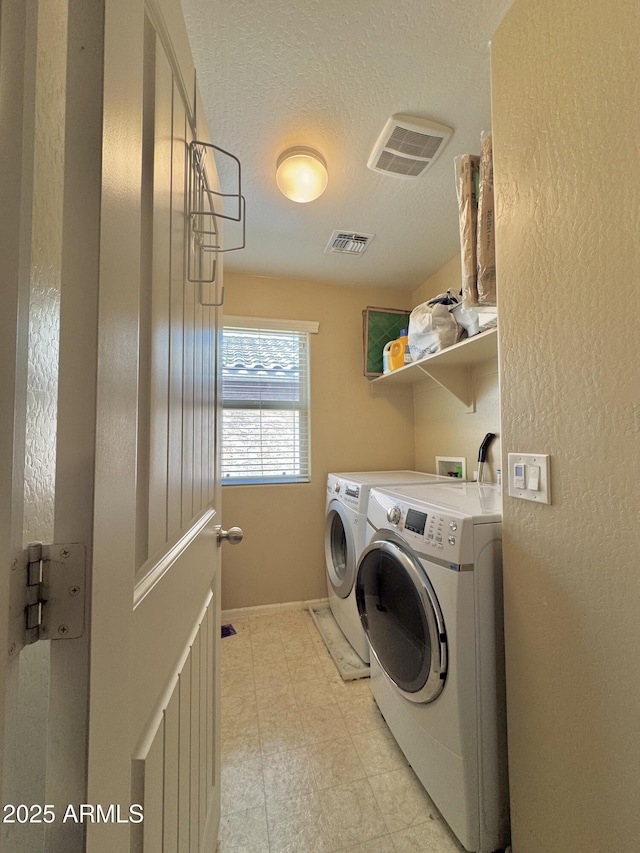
349,493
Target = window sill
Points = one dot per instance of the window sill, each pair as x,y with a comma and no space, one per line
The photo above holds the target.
265,482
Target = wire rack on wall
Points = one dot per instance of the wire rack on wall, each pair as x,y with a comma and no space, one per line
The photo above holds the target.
206,209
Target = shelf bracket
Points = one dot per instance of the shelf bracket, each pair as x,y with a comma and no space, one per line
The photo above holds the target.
456,380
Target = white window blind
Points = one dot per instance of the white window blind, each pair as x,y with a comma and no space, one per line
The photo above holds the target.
265,396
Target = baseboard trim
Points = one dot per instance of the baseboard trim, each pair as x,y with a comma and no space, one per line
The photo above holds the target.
270,609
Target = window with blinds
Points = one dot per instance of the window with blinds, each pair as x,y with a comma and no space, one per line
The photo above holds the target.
265,398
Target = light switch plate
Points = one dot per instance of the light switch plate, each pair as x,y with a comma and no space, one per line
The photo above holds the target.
543,494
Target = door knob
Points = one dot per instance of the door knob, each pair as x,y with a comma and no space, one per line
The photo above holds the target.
233,535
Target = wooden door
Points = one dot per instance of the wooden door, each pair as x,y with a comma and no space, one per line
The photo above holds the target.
153,731
131,706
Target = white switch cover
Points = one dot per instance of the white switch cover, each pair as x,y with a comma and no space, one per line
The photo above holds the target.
538,464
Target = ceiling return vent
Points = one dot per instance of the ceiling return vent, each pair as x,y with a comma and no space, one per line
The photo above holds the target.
408,145
348,243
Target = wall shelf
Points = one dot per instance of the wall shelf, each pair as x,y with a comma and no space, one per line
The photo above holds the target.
450,368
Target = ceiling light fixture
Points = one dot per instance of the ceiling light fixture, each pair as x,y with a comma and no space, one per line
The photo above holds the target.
301,174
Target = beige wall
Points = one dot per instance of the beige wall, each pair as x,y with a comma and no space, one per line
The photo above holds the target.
442,424
282,555
566,126
448,277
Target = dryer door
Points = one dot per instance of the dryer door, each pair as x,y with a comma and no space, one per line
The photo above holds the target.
339,549
402,618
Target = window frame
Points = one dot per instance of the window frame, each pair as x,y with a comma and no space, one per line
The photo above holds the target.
304,329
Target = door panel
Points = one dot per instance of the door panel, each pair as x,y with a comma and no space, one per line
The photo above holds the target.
159,636
194,772
160,302
188,384
176,314
147,790
153,715
170,774
174,758
184,761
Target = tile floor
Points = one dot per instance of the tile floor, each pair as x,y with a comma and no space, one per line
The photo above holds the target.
308,763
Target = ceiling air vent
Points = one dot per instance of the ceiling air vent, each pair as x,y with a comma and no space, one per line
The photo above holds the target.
408,145
348,242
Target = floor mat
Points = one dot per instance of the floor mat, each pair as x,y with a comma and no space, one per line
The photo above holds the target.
350,665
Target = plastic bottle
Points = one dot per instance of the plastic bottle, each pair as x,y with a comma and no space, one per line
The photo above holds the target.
385,357
399,352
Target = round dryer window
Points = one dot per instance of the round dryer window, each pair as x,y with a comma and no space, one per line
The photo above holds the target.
339,550
402,618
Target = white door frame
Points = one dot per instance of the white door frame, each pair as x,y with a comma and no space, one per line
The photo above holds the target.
78,50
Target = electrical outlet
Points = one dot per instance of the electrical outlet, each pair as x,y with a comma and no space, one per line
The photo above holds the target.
530,477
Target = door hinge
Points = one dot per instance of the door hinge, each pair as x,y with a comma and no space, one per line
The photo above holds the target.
47,594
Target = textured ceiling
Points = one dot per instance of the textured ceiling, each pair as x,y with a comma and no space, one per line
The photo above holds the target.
328,74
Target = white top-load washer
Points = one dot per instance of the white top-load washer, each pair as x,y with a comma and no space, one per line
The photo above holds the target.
346,536
429,592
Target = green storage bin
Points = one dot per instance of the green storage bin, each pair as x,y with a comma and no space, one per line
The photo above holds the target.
380,325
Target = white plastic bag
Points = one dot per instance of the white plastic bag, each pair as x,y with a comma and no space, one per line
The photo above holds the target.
432,327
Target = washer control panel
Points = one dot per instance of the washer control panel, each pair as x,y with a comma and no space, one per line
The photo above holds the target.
436,533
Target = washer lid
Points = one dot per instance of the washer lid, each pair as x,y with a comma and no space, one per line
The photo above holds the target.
480,501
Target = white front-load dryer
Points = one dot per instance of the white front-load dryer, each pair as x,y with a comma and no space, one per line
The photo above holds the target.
346,537
429,592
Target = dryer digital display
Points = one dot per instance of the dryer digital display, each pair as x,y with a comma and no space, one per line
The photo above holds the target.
416,521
